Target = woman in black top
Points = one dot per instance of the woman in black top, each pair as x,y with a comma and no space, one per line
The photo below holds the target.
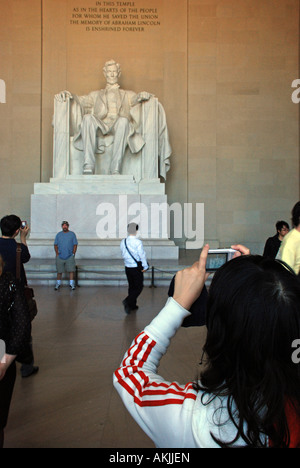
15,331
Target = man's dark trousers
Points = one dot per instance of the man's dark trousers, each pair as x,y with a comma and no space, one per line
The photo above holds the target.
135,286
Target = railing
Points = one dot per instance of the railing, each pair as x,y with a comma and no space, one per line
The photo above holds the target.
154,273
107,276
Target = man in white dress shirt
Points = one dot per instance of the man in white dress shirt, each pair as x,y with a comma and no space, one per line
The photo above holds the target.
133,252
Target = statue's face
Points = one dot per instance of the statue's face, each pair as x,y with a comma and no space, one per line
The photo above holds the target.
111,74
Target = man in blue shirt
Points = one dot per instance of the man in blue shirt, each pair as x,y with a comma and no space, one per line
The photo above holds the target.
65,246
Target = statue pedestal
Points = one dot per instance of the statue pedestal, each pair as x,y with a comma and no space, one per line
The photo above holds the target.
99,208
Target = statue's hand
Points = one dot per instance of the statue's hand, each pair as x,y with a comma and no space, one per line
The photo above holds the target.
144,96
63,96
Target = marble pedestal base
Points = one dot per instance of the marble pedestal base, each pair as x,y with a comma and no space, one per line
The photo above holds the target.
98,209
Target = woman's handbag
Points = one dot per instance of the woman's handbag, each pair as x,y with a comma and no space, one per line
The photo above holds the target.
29,293
31,302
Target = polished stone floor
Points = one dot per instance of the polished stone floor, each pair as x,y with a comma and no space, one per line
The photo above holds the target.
79,340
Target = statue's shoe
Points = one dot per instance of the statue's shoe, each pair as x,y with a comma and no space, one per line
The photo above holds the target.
88,171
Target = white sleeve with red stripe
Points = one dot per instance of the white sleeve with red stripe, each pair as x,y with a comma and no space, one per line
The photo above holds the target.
162,409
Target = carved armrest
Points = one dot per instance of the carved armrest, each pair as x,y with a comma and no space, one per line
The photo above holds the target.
61,139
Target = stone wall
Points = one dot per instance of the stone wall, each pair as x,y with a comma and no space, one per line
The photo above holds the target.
222,69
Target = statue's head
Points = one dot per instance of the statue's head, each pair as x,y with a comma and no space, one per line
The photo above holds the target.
112,71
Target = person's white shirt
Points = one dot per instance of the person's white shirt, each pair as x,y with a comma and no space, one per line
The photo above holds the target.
173,415
136,248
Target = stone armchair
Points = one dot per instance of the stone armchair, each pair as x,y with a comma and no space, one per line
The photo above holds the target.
150,163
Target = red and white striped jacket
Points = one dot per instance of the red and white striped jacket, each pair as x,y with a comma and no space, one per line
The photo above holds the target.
172,415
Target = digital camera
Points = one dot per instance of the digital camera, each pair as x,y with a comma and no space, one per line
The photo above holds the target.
218,257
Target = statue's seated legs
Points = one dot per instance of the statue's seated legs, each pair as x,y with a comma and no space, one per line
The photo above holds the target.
121,132
89,128
107,150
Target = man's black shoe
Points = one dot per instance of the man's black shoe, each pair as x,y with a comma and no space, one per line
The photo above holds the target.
126,307
33,371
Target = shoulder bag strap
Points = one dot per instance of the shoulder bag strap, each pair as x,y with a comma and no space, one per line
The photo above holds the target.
130,252
18,262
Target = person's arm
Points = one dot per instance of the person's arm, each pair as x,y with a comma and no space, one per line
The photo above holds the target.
142,256
287,255
75,243
190,281
23,235
163,409
25,255
56,241
7,360
240,250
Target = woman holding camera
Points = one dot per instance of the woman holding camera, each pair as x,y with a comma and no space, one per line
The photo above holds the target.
248,394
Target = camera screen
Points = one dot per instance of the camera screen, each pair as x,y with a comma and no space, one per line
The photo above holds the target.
215,261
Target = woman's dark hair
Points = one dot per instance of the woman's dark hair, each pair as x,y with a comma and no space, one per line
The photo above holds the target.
253,317
296,214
